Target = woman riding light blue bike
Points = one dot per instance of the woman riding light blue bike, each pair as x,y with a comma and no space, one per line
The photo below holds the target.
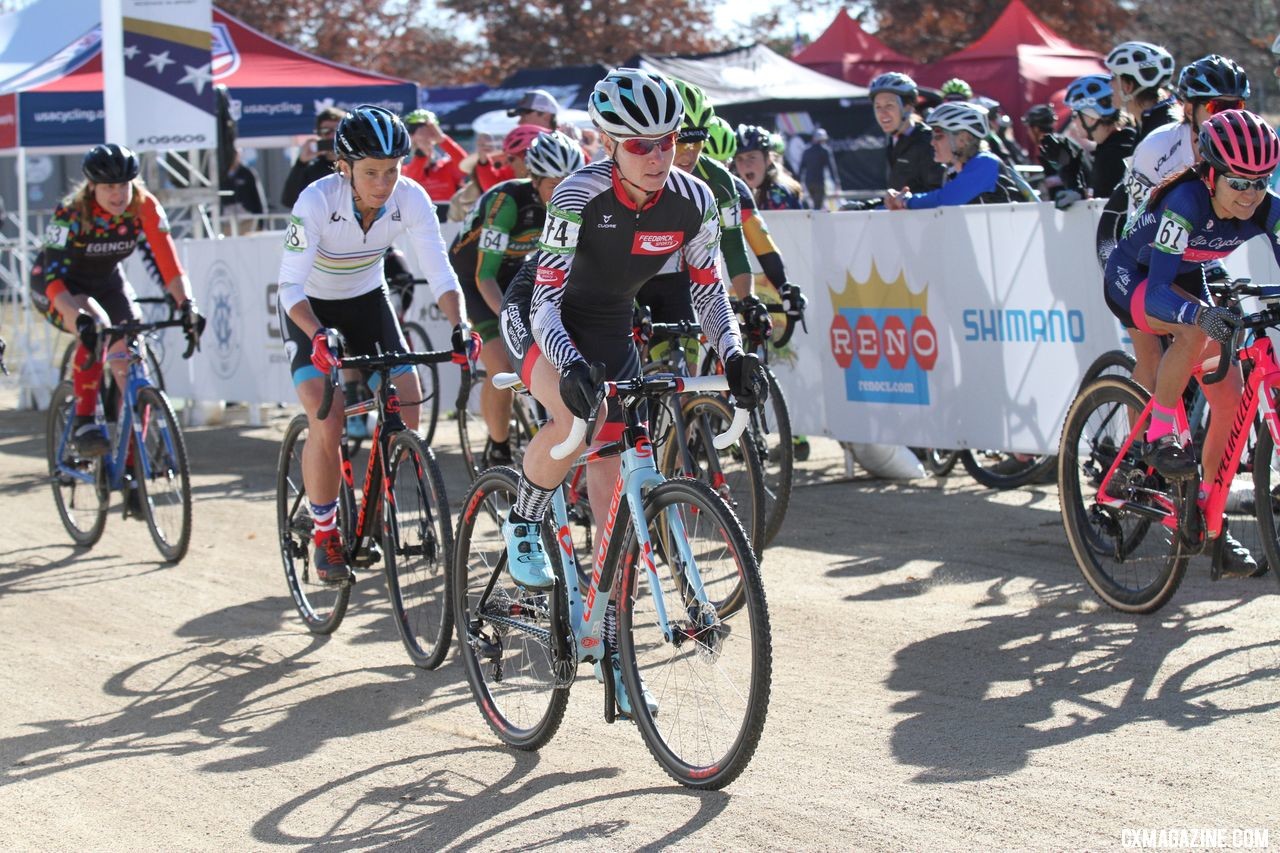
1155,284
610,227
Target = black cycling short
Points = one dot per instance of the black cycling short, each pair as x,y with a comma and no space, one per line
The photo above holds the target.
114,294
668,298
619,356
365,321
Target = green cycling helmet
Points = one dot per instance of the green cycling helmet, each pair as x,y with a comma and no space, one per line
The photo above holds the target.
417,118
777,144
698,112
956,89
722,141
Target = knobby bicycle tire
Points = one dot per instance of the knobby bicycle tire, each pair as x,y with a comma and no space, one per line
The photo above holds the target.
417,546
771,432
512,629
321,606
705,653
1130,560
82,506
987,473
428,381
166,493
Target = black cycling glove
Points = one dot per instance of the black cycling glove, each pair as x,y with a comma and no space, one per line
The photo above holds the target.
580,388
747,382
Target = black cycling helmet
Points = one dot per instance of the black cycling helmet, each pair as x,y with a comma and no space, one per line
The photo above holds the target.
110,164
1041,117
1211,77
369,131
752,137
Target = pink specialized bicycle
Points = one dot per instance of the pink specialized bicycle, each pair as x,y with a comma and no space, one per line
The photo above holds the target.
1132,532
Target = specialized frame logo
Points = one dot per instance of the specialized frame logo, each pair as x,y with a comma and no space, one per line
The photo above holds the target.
883,340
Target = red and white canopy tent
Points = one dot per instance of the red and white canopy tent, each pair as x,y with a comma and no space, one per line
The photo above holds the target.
848,52
1019,61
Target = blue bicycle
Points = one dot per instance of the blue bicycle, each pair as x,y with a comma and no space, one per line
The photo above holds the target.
147,460
667,552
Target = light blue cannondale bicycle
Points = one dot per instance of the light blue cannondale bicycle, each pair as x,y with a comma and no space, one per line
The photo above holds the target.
690,628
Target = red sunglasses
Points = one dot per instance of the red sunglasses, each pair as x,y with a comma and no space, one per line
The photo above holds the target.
642,147
1219,105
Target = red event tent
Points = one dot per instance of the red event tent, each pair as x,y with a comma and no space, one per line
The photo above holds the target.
1019,62
848,52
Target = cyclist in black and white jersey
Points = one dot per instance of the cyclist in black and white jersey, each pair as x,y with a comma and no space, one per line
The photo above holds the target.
332,279
610,227
1139,72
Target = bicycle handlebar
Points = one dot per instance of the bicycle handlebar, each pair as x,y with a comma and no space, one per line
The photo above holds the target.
130,329
1225,352
379,362
655,385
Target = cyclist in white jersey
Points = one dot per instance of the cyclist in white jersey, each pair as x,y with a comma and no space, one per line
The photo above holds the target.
331,279
1209,85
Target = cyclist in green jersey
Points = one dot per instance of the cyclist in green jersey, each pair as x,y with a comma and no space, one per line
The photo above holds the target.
497,235
667,294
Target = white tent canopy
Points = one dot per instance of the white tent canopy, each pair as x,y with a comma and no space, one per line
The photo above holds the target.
750,74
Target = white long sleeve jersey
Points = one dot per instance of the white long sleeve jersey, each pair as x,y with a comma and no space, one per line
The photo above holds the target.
328,255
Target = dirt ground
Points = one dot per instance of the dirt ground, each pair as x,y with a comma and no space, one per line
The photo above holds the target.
942,680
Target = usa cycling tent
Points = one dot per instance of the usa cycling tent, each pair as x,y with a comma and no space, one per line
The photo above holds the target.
55,101
848,52
1019,61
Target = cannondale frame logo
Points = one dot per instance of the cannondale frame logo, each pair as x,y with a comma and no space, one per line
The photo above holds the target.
226,321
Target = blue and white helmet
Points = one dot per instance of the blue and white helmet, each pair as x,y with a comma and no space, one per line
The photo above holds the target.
1091,93
372,132
630,102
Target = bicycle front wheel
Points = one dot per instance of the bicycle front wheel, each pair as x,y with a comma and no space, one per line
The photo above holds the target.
418,550
708,673
79,484
771,432
428,381
1128,556
161,473
996,469
320,605
505,633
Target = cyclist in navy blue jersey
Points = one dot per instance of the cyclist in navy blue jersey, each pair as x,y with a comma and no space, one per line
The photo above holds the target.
1155,284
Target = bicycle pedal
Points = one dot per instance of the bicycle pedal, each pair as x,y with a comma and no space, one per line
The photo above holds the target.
369,555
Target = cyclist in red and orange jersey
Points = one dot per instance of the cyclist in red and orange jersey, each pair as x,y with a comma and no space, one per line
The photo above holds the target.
78,281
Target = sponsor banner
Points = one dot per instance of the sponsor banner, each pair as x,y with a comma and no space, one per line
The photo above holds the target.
287,112
242,355
8,122
61,119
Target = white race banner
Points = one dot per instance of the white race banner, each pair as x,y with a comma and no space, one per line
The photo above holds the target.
157,60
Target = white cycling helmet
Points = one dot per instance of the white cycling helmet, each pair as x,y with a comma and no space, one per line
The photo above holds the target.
954,116
630,102
553,155
1149,64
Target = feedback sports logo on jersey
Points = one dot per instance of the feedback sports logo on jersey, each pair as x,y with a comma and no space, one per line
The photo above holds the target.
655,242
883,340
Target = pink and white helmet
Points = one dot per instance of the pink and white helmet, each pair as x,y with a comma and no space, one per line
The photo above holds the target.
520,138
1237,142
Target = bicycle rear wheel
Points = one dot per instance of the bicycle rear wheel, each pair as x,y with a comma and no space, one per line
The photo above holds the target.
734,473
320,605
161,473
473,433
79,484
1266,497
418,550
1115,362
996,469
711,677
428,380
504,631
1130,559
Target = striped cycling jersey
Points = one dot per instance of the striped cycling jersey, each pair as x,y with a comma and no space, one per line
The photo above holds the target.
597,249
328,255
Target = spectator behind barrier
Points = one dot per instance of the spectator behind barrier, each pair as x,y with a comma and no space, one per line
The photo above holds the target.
315,157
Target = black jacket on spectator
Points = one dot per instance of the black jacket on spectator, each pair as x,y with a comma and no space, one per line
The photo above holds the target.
910,162
1108,160
303,175
1158,116
246,189
1062,157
